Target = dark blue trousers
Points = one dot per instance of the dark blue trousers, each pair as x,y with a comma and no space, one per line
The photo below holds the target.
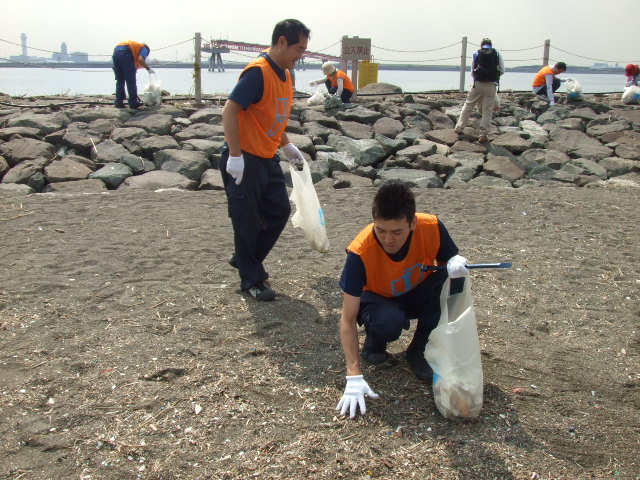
259,209
554,86
125,70
345,96
384,318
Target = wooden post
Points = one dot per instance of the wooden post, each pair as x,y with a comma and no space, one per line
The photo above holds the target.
354,78
196,67
463,63
545,55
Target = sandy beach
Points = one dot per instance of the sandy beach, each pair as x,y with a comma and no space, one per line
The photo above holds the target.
128,350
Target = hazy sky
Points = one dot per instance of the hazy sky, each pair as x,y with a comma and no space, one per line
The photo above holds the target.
576,26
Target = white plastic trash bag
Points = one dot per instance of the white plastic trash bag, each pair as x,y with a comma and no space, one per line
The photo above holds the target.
574,89
453,352
308,216
316,99
152,92
631,95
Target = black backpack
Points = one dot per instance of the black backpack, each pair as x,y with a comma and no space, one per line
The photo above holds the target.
486,68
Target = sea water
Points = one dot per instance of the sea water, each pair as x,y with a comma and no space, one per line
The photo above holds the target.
179,81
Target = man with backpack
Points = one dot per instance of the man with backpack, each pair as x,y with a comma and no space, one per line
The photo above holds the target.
486,69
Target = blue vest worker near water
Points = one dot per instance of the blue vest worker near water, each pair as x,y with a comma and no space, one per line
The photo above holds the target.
129,56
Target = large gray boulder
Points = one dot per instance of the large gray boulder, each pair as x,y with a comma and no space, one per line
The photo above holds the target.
413,178
359,114
190,164
156,124
388,127
108,152
513,142
66,170
23,171
365,152
113,174
156,143
20,149
159,179
582,166
44,123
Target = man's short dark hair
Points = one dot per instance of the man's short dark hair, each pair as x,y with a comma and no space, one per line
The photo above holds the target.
561,66
394,200
291,30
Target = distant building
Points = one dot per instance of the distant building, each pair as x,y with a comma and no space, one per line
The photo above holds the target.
62,55
600,65
79,57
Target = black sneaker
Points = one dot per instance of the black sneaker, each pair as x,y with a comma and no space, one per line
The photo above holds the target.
374,358
419,365
260,292
234,264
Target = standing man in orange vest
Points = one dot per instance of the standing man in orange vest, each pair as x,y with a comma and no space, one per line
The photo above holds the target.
545,82
128,57
337,82
255,118
384,287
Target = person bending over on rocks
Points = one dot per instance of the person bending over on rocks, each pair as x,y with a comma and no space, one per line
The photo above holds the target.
545,82
337,82
383,287
255,118
486,69
128,57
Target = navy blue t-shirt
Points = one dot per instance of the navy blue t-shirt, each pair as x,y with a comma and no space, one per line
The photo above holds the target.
250,86
354,275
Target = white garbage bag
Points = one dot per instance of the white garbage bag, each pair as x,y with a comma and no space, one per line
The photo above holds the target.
308,216
316,99
152,92
453,352
631,95
574,89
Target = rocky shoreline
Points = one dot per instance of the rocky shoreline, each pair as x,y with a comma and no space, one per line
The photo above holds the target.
84,145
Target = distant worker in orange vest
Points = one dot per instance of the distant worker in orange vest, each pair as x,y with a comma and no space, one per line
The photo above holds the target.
337,82
545,82
128,57
384,287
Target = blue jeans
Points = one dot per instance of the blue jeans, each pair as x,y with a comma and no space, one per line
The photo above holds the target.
384,318
125,70
259,209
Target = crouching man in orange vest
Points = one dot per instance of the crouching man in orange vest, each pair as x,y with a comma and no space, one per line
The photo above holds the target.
545,82
337,82
384,287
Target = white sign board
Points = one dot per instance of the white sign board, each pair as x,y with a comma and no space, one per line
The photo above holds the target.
356,48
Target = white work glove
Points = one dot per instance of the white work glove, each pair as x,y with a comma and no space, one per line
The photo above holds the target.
313,83
568,78
353,396
235,168
151,70
293,155
457,267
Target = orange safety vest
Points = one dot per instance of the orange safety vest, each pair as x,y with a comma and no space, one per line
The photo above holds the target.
539,80
347,83
135,50
388,278
263,123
